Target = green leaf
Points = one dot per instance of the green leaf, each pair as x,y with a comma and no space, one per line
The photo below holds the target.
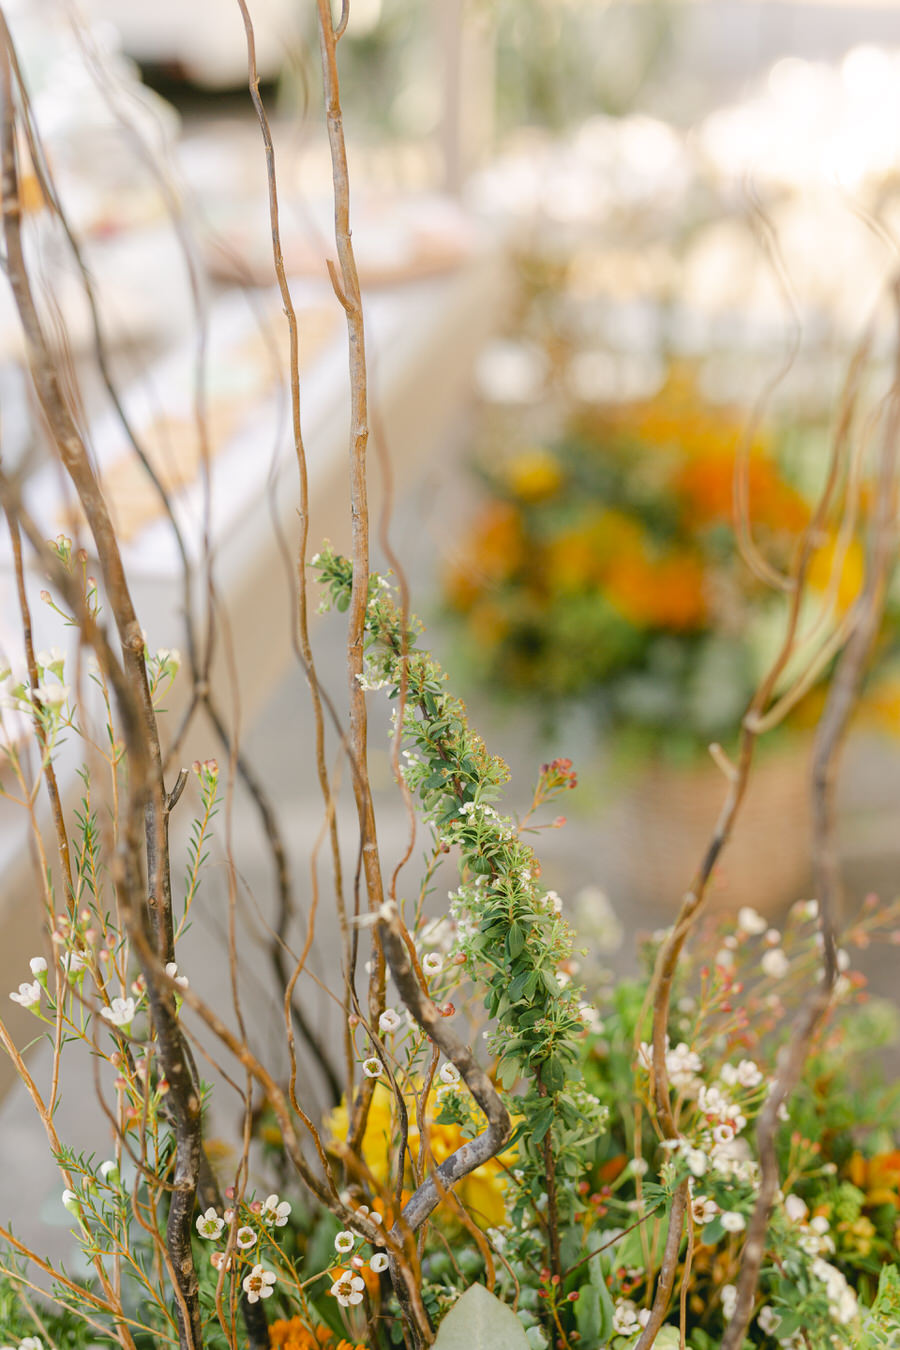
479,1321
553,1075
594,1309
515,941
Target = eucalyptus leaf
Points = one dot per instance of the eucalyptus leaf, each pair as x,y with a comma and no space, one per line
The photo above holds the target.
479,1321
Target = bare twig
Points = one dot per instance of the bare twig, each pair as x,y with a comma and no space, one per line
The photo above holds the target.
831,731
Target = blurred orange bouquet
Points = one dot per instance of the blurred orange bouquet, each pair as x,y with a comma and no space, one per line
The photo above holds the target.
605,568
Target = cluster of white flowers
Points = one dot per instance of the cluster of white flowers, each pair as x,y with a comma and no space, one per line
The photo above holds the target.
628,1319
814,1237
722,1114
438,933
842,1301
746,1074
683,1066
371,681
349,1286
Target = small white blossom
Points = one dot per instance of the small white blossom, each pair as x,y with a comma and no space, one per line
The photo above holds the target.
432,964
449,1073
109,1169
378,1263
38,966
590,1017
750,921
625,1320
683,1065
768,1319
697,1161
344,1242
842,1301
73,963
747,1074
704,1209
729,1300
258,1284
275,1211
389,1020
120,1013
209,1225
733,1222
348,1289
775,964
29,995
70,1201
795,1208
52,695
245,1238
372,1067
172,972
31,1343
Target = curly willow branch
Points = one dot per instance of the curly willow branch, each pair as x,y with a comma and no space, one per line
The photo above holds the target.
659,994
830,734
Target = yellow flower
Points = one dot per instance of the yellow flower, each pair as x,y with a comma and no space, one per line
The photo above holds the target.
481,1191
852,572
533,475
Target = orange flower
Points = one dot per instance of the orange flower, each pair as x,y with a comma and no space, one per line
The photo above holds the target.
296,1335
877,1177
667,592
580,556
705,482
493,551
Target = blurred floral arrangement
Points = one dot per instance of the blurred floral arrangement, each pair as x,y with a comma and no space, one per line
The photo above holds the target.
604,569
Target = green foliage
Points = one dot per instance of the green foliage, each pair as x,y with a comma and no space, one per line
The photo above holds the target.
511,934
479,1321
